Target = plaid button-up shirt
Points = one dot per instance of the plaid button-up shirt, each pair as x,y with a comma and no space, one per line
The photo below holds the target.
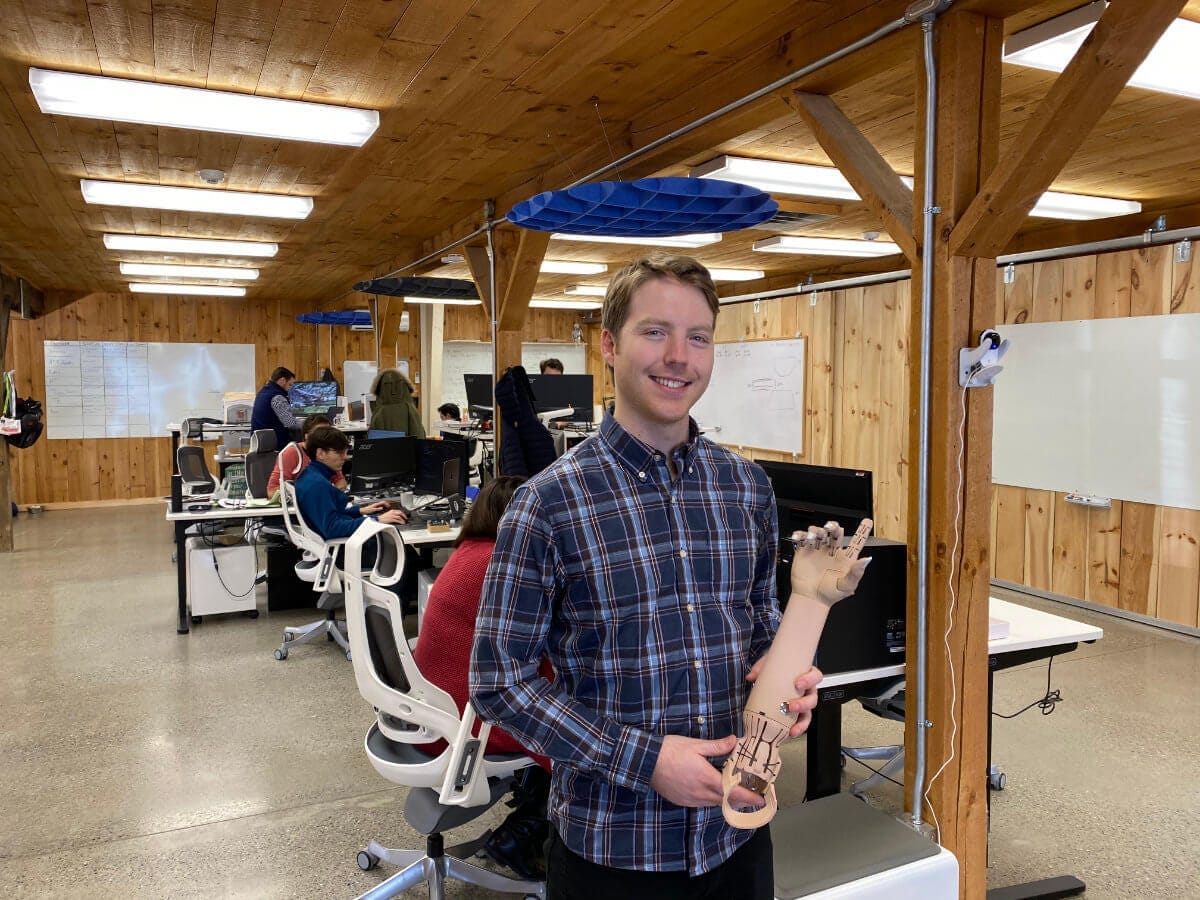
652,598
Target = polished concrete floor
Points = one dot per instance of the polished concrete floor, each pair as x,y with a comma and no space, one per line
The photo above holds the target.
141,763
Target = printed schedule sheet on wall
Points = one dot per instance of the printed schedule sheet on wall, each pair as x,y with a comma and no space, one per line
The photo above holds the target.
97,389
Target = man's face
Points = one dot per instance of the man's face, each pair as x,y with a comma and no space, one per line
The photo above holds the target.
335,459
662,358
551,370
286,383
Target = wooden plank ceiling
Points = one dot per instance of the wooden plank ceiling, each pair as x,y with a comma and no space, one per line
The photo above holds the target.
477,100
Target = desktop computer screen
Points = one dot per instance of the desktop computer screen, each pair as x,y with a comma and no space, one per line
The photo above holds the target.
561,391
480,391
383,464
431,469
812,495
308,398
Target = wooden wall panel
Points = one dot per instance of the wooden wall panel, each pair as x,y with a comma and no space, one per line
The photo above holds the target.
1135,556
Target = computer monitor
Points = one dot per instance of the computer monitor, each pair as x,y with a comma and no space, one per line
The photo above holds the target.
431,474
813,495
379,433
560,391
383,464
480,390
307,398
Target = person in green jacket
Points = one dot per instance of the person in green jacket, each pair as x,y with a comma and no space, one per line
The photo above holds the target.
393,408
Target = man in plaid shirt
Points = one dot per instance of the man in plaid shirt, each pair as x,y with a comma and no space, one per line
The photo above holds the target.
642,565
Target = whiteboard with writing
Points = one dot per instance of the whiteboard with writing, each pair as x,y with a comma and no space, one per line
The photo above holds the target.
1104,407
98,389
756,396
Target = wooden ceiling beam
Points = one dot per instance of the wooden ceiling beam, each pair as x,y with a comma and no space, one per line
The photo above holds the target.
1070,234
522,269
1118,44
868,172
481,273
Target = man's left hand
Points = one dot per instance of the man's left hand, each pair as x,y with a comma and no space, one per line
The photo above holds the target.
805,700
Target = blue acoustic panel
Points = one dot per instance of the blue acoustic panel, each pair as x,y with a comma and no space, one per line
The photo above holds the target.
434,288
648,207
337,317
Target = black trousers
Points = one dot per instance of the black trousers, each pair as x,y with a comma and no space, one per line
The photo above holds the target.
747,875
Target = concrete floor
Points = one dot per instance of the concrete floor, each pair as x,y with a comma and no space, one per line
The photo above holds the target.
141,763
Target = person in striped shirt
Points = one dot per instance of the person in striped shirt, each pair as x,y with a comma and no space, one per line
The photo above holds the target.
642,565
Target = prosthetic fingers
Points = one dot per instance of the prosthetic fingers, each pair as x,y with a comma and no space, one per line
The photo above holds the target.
823,572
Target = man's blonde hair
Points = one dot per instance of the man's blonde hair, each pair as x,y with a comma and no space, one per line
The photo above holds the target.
621,289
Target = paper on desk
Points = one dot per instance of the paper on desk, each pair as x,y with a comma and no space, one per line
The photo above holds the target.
997,629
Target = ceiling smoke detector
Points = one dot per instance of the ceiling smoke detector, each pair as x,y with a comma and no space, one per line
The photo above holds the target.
211,176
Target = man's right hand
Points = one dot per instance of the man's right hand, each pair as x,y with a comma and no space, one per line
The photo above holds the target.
393,517
684,775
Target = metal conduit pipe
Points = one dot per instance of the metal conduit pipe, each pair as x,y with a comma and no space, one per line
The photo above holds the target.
489,214
818,287
922,603
1146,239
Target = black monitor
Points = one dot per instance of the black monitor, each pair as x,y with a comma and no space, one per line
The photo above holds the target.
813,495
383,464
480,391
308,398
560,391
432,474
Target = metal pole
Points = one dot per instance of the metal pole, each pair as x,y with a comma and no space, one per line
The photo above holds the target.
489,213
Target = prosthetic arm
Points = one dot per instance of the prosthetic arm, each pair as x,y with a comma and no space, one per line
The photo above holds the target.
822,574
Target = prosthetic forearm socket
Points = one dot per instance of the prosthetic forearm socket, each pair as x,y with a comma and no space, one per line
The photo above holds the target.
822,574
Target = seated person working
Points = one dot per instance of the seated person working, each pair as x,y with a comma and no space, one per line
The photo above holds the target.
292,460
443,653
325,508
450,412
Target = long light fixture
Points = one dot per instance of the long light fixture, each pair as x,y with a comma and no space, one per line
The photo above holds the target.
735,274
776,177
442,301
571,267
200,246
546,303
1171,67
164,271
587,290
148,103
158,196
1074,207
679,240
199,290
818,246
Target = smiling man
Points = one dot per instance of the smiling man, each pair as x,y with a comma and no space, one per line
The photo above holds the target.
642,565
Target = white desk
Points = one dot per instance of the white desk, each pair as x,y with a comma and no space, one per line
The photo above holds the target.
182,520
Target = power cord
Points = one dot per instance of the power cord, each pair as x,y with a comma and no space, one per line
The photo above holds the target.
211,543
1045,703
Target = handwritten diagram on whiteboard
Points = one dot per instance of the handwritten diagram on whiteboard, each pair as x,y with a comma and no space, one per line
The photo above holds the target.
756,396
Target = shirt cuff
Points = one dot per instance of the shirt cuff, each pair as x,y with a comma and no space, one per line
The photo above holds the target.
634,758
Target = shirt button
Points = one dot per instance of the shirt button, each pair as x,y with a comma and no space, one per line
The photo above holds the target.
642,475
690,470
691,607
700,719
683,554
657,458
697,664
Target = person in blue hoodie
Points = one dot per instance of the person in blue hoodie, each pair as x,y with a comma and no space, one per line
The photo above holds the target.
324,507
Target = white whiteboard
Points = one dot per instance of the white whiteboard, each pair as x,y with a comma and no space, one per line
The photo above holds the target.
357,376
1106,407
756,396
134,388
470,357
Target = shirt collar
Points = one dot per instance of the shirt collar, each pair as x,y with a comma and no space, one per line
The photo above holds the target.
321,467
637,455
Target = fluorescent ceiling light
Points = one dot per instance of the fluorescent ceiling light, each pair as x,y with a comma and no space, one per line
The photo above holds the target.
679,240
200,290
203,246
1077,207
817,246
148,103
779,177
735,274
443,301
1172,67
153,269
545,303
587,290
157,196
570,267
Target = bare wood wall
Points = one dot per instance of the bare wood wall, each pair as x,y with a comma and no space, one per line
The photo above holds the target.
1136,557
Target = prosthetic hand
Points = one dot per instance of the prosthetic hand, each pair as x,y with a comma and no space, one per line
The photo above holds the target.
822,574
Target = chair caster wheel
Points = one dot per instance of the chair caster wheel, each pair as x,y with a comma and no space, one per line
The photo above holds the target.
367,860
997,781
281,654
252,614
348,656
196,620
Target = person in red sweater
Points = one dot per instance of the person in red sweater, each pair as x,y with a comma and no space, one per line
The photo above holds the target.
292,459
443,654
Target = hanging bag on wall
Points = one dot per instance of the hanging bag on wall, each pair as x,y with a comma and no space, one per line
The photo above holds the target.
20,420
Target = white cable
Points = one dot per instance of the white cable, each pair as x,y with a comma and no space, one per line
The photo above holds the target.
962,445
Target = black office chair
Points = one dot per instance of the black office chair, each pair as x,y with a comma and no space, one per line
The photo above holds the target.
192,429
193,471
260,462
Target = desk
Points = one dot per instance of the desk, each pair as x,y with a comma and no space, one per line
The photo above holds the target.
1033,635
182,520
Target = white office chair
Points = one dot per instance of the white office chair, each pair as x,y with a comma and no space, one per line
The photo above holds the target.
448,789
319,568
887,704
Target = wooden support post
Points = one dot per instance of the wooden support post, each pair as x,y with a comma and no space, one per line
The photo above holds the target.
867,171
964,301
